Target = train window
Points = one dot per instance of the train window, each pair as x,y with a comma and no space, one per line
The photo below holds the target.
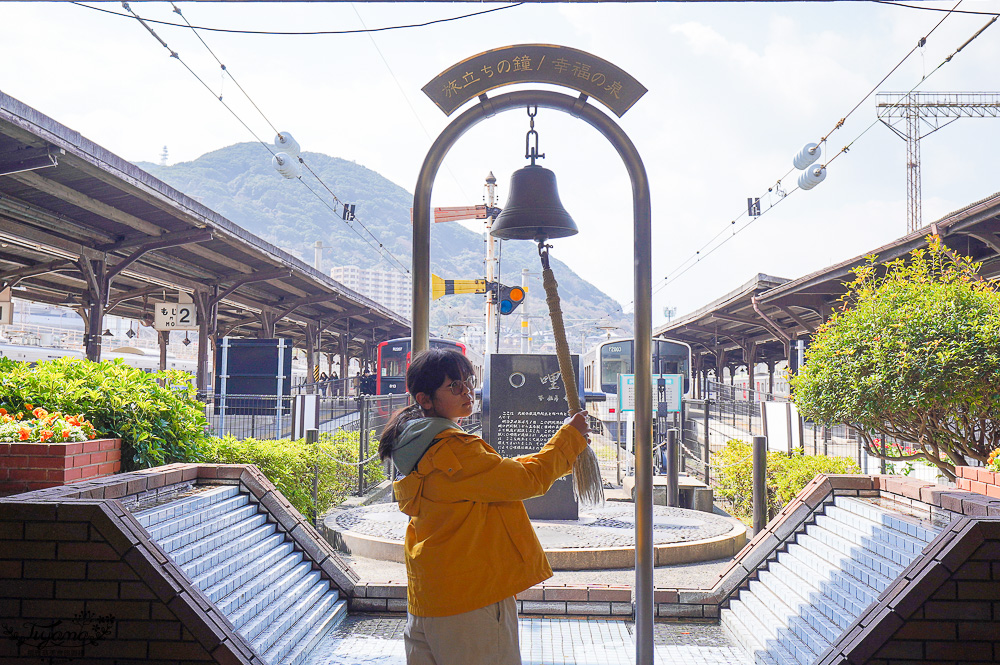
616,358
672,358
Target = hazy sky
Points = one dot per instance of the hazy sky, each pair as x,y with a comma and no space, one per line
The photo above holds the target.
735,90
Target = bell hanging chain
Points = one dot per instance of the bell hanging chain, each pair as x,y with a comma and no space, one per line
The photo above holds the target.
532,151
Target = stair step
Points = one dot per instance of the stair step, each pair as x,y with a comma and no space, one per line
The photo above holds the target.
266,588
850,592
805,607
755,638
217,534
888,543
207,575
822,599
269,603
863,565
253,578
922,530
286,642
777,618
172,535
273,618
155,515
231,550
326,622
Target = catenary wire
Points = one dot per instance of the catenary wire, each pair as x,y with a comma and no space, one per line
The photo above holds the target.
173,54
699,255
312,32
228,72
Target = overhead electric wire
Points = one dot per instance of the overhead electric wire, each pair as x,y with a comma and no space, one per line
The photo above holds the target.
406,97
934,9
308,32
173,54
693,260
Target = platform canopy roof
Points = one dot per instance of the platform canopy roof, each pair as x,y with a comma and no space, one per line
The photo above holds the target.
69,209
767,313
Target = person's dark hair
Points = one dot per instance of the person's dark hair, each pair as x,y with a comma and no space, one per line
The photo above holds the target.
426,373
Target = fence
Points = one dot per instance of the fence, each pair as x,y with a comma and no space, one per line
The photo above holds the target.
735,413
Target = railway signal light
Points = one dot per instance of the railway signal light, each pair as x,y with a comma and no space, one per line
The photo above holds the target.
509,298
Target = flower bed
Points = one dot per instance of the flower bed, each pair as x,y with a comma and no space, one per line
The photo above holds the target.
39,449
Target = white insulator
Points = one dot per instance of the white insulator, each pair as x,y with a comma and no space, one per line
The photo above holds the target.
286,165
809,154
812,176
286,143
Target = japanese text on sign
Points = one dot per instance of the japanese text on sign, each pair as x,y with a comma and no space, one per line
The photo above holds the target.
174,316
673,391
539,63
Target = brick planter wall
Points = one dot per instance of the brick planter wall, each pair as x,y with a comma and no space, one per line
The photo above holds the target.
31,466
978,479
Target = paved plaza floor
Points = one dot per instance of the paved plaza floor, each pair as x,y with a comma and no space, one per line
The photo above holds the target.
367,639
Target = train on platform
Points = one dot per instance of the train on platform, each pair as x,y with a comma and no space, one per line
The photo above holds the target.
393,358
603,364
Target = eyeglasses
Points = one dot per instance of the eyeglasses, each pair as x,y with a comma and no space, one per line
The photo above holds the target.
458,387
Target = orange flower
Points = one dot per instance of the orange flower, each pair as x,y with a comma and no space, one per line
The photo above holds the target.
92,436
28,406
3,412
24,433
65,434
40,412
73,421
45,435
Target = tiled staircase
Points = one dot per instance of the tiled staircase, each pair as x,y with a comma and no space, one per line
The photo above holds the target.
822,582
269,592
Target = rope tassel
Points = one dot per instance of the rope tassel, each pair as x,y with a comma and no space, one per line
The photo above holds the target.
588,486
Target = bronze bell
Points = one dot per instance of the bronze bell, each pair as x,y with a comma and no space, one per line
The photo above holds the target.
533,210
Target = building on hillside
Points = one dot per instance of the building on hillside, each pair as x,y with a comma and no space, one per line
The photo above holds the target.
388,288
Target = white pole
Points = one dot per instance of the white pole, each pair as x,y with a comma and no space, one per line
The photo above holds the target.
492,341
525,346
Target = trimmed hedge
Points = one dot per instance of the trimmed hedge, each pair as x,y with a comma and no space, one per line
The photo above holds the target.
291,466
157,424
786,476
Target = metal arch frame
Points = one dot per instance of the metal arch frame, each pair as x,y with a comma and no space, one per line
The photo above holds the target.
642,242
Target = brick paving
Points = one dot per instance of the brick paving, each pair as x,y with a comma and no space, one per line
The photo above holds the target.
378,640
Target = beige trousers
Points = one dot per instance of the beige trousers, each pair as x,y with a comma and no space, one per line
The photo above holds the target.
487,636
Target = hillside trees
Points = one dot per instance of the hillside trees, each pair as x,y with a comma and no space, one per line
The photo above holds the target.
914,352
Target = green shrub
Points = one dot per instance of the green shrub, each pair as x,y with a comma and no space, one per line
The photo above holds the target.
290,464
786,476
157,424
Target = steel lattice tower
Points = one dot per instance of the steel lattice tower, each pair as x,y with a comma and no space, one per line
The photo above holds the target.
929,111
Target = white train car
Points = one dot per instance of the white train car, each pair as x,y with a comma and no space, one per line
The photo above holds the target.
605,362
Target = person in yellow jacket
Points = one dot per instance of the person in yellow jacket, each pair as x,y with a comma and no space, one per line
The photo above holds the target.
469,544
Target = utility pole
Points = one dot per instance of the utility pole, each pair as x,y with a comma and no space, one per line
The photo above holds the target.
930,110
492,314
525,332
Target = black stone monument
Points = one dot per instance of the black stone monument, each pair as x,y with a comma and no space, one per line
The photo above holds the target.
524,404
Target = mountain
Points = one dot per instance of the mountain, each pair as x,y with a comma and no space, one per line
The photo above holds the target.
239,183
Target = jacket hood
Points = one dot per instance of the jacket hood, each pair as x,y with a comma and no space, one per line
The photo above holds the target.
416,437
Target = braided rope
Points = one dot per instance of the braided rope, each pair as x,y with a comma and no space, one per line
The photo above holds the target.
588,486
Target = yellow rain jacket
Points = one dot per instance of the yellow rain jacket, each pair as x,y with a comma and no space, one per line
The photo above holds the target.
469,542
